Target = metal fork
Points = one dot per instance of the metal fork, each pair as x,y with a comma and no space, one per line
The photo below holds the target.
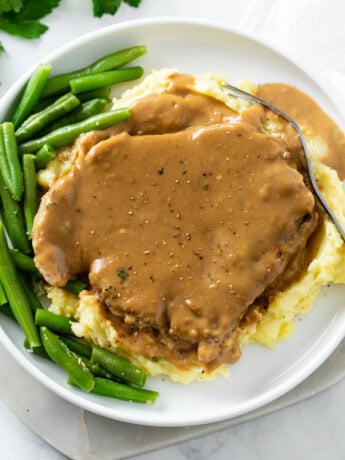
237,92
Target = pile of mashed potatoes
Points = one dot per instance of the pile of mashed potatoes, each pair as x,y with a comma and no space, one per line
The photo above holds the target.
274,324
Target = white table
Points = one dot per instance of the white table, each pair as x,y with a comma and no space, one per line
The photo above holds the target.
313,428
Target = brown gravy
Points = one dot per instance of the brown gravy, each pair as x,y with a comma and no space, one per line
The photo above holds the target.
314,121
181,217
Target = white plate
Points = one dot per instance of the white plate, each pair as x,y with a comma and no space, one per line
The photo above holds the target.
261,375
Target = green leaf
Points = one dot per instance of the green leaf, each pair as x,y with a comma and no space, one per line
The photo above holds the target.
134,3
2,49
101,7
10,5
27,30
33,10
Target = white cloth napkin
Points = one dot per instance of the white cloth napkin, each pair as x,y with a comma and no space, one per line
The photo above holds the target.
311,31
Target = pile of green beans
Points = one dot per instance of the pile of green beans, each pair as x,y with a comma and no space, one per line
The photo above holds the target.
85,365
52,112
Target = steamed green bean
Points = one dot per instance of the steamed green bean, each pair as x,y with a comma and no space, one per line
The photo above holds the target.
64,136
54,322
30,204
45,154
37,122
99,80
17,299
58,84
10,167
118,366
86,110
62,356
32,93
13,217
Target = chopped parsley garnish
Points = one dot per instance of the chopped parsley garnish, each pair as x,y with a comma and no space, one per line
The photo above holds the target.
122,273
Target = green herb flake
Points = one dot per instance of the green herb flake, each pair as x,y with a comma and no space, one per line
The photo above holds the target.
122,273
205,186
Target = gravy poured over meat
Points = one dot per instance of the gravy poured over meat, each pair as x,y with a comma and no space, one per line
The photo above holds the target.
181,217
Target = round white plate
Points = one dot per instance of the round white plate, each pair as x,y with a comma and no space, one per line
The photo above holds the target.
261,375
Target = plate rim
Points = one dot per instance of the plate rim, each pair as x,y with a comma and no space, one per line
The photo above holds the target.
95,407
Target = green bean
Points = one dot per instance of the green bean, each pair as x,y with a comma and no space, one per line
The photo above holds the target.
84,351
58,84
99,371
10,167
34,302
32,93
84,111
30,204
94,368
14,291
39,351
40,120
75,286
13,217
64,136
118,366
44,156
116,390
103,93
24,262
3,298
62,356
77,347
98,80
51,103
56,323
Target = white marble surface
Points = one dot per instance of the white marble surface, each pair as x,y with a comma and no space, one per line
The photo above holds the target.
313,428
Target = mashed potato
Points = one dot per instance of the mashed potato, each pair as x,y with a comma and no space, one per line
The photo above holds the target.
274,324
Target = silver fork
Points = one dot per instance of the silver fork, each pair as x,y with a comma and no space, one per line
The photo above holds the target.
237,92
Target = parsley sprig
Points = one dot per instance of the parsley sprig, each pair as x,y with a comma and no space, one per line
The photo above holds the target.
22,17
